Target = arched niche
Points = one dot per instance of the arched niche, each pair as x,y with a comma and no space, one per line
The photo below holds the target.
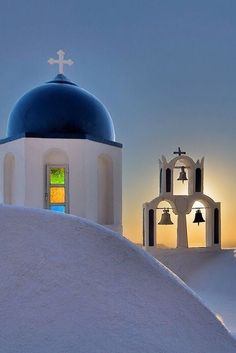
105,199
56,156
9,179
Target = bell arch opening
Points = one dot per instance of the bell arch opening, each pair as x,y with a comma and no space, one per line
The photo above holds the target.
180,178
9,179
197,231
166,234
105,209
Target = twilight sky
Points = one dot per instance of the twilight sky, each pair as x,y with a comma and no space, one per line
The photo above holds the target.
166,71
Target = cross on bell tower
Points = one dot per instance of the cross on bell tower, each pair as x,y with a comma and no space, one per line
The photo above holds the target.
61,61
179,152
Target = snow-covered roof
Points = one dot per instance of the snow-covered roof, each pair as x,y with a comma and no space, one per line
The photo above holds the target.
211,273
68,285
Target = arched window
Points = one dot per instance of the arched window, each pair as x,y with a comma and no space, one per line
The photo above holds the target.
168,180
198,180
105,190
9,179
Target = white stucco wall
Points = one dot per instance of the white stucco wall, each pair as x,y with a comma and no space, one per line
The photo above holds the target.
32,155
17,149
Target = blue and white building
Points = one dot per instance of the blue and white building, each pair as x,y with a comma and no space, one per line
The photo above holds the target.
60,153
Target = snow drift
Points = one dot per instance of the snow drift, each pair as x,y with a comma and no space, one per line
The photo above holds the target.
71,286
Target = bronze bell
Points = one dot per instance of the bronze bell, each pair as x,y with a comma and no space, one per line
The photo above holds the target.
182,175
198,217
165,218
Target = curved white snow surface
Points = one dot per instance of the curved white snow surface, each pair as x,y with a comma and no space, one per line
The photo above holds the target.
210,273
71,286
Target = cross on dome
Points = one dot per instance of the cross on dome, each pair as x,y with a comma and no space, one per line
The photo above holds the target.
61,61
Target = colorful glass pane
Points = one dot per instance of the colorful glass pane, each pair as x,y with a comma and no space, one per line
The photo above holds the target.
58,208
57,176
57,194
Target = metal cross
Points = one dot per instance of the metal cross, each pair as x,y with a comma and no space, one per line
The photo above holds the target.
179,152
60,61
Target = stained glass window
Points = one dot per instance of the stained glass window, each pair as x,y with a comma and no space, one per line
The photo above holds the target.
57,176
57,194
58,208
57,188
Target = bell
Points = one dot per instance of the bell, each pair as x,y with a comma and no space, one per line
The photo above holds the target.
165,218
182,175
198,217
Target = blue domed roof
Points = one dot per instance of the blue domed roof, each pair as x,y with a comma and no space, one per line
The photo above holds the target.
60,109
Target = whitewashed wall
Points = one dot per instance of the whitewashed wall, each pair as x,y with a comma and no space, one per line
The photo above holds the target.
82,156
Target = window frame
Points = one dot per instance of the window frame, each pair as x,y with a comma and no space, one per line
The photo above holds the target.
48,204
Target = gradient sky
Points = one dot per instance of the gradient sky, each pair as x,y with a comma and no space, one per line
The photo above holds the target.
166,70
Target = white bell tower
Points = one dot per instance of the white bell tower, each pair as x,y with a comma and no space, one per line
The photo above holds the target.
181,205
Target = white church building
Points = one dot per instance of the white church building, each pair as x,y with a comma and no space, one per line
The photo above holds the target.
60,153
